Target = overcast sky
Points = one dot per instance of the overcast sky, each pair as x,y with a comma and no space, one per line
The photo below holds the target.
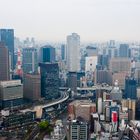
54,19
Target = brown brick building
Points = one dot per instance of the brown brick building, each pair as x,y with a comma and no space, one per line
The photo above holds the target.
32,87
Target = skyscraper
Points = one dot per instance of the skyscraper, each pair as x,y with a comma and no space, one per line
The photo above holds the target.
72,81
73,53
124,50
103,61
7,36
4,62
49,80
30,63
130,88
47,54
63,49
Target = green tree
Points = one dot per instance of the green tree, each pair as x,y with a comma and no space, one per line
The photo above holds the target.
43,125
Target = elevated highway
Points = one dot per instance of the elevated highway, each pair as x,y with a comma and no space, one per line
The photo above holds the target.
96,87
39,108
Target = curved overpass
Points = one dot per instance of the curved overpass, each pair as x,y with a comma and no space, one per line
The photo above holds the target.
64,98
39,108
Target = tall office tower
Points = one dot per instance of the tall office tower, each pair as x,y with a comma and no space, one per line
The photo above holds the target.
31,87
103,61
29,61
130,88
7,36
124,50
63,52
112,52
49,80
91,51
11,93
78,129
47,54
4,62
72,81
120,65
73,52
137,76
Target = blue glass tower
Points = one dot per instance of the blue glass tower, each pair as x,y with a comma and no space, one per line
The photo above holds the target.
63,52
130,88
7,36
47,54
124,50
49,80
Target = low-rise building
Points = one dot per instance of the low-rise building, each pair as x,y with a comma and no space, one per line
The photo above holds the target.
11,93
82,108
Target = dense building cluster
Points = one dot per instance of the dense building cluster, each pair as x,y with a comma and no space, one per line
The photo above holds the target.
101,79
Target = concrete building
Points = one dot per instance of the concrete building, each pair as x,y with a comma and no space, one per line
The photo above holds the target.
32,87
11,93
49,80
72,81
47,54
73,52
90,67
4,63
131,105
95,125
29,61
91,51
120,65
91,63
116,93
7,36
78,130
103,76
120,77
82,108
21,118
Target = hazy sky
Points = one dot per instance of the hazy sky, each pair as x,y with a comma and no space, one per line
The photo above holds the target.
52,20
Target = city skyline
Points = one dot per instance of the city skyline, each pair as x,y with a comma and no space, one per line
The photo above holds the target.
53,20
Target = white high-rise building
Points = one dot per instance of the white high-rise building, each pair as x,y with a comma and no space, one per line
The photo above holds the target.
73,52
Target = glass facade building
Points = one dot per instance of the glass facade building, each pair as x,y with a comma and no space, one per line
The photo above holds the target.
7,36
47,54
130,88
30,63
49,80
